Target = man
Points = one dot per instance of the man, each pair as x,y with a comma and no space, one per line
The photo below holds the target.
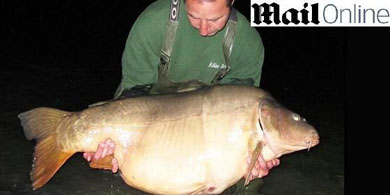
202,42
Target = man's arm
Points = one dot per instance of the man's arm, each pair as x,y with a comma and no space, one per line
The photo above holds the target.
141,55
136,91
139,62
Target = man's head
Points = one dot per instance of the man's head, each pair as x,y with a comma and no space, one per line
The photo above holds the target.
208,16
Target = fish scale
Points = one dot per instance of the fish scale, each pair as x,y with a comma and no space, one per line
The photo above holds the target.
183,143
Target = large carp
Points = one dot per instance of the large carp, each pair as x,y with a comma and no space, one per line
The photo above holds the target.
186,143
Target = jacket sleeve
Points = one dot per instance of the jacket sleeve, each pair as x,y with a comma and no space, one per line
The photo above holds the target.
140,57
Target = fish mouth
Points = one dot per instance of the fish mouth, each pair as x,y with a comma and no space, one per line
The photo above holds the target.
312,140
285,148
309,142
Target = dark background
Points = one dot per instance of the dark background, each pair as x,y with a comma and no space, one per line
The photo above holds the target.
67,54
78,47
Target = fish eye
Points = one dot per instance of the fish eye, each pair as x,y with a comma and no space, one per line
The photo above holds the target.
296,117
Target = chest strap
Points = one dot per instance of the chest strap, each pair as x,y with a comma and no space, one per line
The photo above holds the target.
173,24
228,40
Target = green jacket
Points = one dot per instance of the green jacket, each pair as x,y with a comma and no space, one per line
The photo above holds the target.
193,57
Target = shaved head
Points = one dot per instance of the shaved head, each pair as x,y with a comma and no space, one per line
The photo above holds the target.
228,2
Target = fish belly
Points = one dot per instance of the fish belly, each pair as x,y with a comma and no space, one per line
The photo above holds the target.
189,155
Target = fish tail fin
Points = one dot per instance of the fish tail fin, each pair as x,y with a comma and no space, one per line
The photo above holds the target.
41,124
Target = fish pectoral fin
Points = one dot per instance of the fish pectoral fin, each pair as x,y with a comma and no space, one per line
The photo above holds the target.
255,156
103,163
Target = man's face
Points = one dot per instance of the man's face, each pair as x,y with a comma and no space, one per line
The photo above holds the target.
207,17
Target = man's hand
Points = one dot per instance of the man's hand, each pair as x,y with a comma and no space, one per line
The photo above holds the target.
104,149
262,167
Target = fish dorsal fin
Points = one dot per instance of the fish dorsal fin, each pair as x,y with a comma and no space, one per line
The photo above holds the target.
98,104
255,155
